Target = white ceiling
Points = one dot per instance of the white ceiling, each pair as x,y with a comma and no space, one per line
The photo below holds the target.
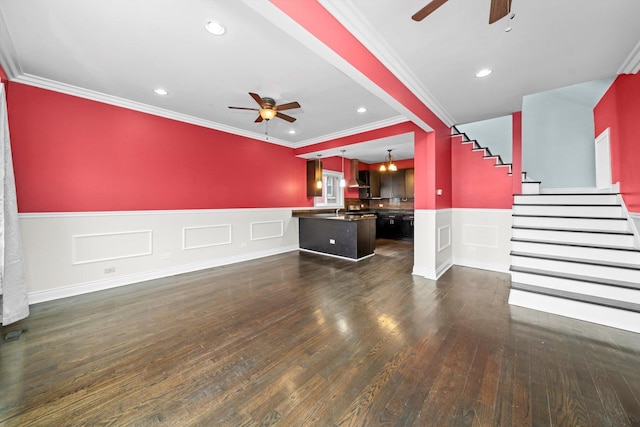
118,51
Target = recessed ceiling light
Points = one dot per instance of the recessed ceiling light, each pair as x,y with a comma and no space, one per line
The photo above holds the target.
361,110
160,91
292,131
484,72
215,28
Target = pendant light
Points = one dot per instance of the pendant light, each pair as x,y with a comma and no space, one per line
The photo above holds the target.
389,166
343,182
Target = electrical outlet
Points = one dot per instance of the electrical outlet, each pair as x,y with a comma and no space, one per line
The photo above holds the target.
243,244
332,241
165,256
109,270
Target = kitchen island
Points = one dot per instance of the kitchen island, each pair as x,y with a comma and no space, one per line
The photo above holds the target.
341,235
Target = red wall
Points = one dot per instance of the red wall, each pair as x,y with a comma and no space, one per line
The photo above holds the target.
477,183
619,110
72,154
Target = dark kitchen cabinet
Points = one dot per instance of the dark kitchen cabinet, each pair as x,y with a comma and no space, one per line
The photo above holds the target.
392,184
397,184
372,181
314,178
408,183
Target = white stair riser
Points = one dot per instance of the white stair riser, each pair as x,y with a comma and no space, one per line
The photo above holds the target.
588,211
595,271
584,288
530,188
592,254
572,199
607,316
625,240
571,223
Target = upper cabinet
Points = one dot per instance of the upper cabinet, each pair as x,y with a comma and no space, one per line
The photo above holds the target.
371,180
397,184
314,178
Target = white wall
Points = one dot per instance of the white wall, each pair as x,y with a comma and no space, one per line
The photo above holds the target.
478,238
558,135
432,242
66,254
482,238
496,134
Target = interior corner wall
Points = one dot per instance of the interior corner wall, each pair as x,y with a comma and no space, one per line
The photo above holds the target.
619,110
558,147
496,134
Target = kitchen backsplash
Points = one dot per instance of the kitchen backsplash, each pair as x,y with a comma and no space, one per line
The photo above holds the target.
395,203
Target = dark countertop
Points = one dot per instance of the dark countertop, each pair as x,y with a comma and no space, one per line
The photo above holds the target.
333,216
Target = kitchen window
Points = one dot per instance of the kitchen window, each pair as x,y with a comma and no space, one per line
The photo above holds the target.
332,193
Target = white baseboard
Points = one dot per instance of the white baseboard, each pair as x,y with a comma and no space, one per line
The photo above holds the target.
431,274
501,268
100,285
621,319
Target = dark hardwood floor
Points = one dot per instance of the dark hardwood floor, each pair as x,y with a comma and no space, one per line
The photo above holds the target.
300,339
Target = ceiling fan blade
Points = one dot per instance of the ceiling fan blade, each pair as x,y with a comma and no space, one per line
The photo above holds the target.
285,117
244,108
287,106
259,119
499,9
257,98
427,10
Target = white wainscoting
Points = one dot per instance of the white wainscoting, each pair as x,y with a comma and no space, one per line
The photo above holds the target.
432,242
482,238
69,254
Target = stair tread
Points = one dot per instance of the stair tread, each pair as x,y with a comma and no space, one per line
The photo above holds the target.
574,230
617,218
607,302
580,245
576,277
578,260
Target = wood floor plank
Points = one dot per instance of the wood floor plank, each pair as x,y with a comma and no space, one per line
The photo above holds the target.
303,339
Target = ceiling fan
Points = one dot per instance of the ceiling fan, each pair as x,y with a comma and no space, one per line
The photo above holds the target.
498,10
268,108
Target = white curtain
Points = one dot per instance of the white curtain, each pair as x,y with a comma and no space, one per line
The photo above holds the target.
14,304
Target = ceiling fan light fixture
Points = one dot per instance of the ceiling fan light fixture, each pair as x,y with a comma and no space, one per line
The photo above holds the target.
484,72
215,28
267,113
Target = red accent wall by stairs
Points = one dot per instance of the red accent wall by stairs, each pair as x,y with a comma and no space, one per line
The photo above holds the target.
476,182
619,110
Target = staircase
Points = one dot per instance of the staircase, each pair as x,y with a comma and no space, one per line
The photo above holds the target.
495,159
574,254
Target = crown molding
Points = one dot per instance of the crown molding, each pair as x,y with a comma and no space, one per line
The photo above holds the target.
353,131
631,64
350,17
138,106
7,52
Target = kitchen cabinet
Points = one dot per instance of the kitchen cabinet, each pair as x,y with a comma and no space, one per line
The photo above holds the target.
372,182
338,235
314,178
392,184
408,183
397,184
